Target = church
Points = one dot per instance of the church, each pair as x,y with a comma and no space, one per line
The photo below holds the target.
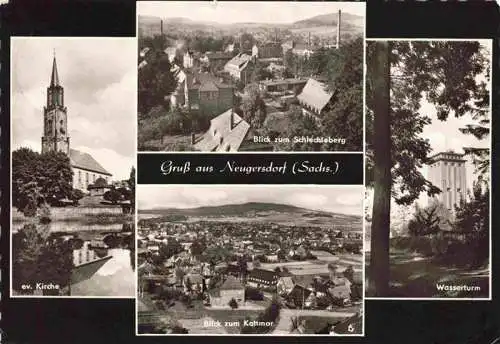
86,170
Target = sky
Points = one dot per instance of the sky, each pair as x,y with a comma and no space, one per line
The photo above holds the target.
246,11
99,77
345,199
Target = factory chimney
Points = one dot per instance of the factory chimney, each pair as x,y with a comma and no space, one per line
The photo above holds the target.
161,27
338,30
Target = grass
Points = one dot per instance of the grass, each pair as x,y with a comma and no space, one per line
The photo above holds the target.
414,276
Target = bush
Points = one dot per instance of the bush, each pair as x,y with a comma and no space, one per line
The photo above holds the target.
233,304
253,294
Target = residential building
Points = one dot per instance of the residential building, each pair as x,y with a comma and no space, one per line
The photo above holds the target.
226,133
232,288
262,278
314,97
240,67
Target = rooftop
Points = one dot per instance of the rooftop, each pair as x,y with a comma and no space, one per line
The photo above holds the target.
315,95
86,162
227,132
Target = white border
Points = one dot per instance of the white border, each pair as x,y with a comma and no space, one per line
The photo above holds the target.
491,43
297,186
34,38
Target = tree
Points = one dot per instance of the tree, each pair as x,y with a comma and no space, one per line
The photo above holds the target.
131,185
76,195
399,76
113,196
298,124
197,248
233,304
253,106
38,179
156,81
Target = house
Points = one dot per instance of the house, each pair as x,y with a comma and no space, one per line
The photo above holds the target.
262,278
300,297
286,47
271,258
217,60
188,59
240,67
226,133
303,50
232,288
144,52
285,285
207,93
99,187
171,53
269,50
193,282
314,97
143,64
229,48
291,85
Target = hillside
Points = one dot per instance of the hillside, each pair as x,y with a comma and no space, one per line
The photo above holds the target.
250,209
350,22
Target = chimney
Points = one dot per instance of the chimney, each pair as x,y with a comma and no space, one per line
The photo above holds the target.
193,138
161,27
338,30
231,120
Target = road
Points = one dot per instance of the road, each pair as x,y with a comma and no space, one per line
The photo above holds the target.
285,320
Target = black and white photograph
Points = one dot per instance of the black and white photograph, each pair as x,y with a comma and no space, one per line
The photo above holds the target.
250,260
73,131
427,209
235,76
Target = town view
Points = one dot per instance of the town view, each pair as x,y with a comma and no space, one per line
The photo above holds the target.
263,266
228,79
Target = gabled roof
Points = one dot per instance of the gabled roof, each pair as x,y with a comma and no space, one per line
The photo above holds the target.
85,161
262,274
240,61
208,86
299,294
232,283
224,136
287,282
314,95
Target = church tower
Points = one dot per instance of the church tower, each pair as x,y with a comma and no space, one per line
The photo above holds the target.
55,119
447,172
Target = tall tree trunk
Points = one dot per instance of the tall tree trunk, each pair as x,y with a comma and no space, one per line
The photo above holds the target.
379,256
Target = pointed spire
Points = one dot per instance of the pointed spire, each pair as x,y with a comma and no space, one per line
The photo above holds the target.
54,80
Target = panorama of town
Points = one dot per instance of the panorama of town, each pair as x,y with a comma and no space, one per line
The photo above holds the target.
253,268
216,86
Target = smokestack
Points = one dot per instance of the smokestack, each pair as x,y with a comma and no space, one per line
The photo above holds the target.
338,30
161,27
193,138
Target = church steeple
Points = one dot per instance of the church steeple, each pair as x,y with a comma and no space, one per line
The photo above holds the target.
55,134
55,92
54,80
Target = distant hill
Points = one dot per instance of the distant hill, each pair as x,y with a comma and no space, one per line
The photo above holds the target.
349,21
244,209
330,19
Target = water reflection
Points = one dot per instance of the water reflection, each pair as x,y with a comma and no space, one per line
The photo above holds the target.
86,263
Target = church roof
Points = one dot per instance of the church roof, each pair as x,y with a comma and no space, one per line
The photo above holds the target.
85,161
232,283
